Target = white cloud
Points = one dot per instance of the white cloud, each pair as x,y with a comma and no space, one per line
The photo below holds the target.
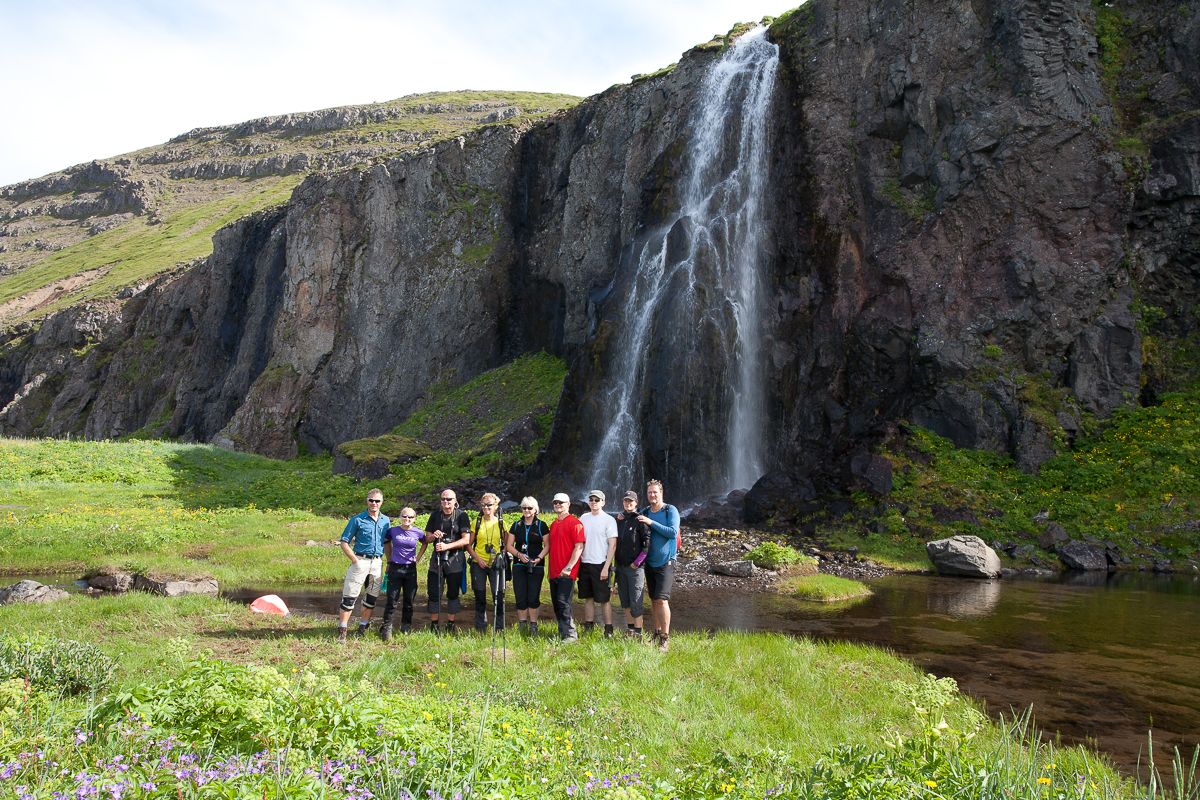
94,79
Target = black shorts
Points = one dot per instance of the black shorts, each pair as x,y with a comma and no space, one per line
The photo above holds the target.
590,585
659,580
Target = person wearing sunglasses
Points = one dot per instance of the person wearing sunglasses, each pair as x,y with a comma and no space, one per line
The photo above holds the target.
565,545
525,542
400,551
487,561
449,531
362,542
600,530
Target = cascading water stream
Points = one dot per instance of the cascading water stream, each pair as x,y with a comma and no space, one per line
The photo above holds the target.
696,297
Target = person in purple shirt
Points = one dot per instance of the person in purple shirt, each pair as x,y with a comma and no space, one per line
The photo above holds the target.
400,548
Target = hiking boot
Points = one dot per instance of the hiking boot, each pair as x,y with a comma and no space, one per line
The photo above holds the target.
664,644
450,629
341,635
588,625
533,630
523,627
362,630
570,637
608,631
433,628
481,629
385,633
406,629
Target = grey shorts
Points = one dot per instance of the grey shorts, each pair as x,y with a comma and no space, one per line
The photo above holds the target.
631,586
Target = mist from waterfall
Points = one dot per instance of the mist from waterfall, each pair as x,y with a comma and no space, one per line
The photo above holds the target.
712,248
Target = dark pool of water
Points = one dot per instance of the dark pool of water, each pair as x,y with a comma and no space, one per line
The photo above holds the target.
1102,659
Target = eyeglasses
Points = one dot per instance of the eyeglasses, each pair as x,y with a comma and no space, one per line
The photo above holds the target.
374,500
408,516
487,505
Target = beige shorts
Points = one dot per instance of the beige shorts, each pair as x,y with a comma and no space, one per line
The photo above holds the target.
367,571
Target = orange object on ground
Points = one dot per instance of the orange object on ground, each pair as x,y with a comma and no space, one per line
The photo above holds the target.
270,604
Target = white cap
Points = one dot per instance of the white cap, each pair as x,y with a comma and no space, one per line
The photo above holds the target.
564,497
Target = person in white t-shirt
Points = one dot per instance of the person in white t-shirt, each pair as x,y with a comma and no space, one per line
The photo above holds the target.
599,546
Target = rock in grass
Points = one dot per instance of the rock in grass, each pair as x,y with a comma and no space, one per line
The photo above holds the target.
735,569
30,592
117,582
966,556
170,588
1054,535
371,459
1081,555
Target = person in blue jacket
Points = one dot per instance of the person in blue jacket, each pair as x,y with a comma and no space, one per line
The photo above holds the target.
663,520
362,542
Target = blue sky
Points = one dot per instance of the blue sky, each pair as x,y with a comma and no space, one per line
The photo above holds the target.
94,79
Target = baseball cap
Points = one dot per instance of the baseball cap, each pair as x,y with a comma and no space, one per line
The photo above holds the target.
630,496
596,493
564,497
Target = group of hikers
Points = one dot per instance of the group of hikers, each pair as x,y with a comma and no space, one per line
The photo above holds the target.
637,547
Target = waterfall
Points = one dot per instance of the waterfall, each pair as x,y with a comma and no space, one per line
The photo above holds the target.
685,365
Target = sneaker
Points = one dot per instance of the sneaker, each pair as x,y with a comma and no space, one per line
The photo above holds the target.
385,633
588,625
574,637
341,636
664,644
608,631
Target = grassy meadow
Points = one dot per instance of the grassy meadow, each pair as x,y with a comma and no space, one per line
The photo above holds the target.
197,697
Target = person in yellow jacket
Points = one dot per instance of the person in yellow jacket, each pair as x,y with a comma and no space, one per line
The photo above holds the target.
486,552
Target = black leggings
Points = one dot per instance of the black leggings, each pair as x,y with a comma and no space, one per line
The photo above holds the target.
527,586
401,579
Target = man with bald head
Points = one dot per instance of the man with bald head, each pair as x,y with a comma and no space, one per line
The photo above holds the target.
449,531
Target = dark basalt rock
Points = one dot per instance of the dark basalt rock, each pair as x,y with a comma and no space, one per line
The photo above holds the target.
1083,556
1052,536
777,494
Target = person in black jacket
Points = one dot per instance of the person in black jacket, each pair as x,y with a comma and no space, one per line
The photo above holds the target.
525,541
449,530
633,543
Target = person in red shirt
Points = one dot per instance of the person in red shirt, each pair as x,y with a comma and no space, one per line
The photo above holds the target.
565,546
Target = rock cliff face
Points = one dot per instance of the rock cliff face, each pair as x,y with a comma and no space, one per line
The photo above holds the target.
953,235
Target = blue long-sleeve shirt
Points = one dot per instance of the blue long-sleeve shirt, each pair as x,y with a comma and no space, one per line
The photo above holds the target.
366,534
664,529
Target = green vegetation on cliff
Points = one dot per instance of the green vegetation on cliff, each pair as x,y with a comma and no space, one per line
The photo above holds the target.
469,418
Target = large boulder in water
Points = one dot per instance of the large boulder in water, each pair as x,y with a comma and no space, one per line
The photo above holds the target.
1081,555
968,556
30,592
